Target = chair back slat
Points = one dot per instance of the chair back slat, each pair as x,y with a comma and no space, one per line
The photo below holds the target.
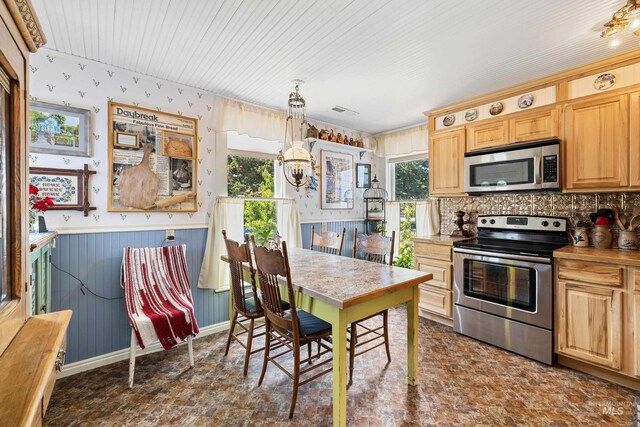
271,265
374,247
328,242
238,255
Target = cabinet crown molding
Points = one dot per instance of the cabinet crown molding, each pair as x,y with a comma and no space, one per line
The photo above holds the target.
25,17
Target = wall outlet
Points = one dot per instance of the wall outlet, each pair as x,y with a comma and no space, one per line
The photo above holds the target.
170,235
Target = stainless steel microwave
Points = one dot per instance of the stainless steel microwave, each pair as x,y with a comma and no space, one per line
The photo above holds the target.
527,166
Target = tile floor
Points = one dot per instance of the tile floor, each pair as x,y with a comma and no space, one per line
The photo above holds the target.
462,382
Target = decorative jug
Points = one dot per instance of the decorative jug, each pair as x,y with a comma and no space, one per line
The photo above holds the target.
580,237
601,236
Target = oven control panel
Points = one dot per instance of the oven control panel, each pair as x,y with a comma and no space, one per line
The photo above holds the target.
522,222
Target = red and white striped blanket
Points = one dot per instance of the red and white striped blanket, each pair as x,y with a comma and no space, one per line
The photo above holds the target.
157,294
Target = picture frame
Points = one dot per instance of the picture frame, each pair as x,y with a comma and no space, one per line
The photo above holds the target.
363,175
177,145
59,129
126,139
69,188
337,180
145,178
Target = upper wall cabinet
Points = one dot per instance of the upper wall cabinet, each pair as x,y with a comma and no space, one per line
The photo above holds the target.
486,135
634,140
597,143
537,124
446,152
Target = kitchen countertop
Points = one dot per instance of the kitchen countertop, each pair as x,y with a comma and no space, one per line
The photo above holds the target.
440,239
610,256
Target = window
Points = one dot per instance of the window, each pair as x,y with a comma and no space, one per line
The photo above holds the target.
409,182
253,177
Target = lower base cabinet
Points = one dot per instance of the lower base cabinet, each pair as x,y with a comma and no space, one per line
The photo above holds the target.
636,309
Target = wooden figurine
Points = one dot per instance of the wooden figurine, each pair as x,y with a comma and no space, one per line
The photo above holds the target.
312,132
332,136
324,134
340,138
352,142
139,184
460,223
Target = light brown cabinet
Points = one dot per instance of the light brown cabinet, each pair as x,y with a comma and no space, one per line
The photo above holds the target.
486,135
636,327
590,323
446,159
436,295
597,143
537,124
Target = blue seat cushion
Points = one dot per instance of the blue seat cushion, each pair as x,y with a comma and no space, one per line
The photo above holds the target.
251,305
310,324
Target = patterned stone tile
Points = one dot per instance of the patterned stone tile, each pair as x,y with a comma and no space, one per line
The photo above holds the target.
522,204
542,204
562,204
583,205
609,200
463,382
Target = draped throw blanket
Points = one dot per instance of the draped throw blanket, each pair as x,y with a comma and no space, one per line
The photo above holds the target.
157,294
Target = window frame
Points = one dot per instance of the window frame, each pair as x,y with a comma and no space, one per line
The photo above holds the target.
391,173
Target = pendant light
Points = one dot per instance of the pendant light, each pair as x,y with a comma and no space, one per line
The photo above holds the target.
294,158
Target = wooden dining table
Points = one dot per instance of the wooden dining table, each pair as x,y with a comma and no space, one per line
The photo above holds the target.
342,290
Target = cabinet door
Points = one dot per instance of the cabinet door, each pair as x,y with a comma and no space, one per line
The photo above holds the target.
537,125
597,143
590,323
636,335
441,272
634,140
435,301
487,135
446,163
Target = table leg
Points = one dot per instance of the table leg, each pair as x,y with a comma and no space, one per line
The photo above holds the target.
412,338
339,345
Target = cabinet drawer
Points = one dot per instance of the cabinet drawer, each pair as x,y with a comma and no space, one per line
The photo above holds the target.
597,274
427,250
435,300
441,272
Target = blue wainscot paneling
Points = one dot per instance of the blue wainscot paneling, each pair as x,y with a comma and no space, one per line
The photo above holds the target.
100,326
347,248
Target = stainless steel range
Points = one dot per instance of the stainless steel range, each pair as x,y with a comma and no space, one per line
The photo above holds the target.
503,283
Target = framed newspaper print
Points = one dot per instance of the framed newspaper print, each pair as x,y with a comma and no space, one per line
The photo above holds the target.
152,160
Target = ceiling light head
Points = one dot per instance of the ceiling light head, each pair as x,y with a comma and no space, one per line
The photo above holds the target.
614,42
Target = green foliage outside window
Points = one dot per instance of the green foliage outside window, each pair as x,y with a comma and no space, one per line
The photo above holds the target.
412,183
252,177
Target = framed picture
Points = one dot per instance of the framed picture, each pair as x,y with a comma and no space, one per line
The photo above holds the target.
155,171
363,175
177,145
58,129
69,188
126,139
337,180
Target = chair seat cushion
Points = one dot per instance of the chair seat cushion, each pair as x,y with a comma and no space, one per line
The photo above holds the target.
310,324
251,305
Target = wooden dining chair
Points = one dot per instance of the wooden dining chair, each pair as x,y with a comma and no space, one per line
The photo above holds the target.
288,329
374,248
246,305
327,241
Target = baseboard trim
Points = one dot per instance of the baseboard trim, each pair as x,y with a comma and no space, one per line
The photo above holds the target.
119,355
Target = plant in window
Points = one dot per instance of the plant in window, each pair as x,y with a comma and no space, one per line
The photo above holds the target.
380,228
37,204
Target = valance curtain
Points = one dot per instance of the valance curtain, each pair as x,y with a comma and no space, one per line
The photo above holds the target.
407,142
248,119
228,214
392,217
427,218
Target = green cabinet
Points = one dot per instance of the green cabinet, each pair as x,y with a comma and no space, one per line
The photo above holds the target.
40,272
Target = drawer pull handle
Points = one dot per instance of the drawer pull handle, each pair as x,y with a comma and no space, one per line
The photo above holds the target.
60,359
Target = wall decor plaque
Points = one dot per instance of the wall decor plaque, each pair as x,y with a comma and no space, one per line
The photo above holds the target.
58,129
604,81
496,108
152,160
525,101
69,188
337,180
449,119
471,115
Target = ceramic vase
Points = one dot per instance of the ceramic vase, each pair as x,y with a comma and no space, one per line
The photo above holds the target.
601,237
580,237
628,240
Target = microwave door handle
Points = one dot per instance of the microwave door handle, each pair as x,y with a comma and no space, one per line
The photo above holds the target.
537,172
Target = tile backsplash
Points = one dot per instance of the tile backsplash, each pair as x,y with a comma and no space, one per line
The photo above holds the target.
551,204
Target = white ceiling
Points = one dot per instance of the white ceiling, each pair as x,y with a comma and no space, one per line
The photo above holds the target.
388,60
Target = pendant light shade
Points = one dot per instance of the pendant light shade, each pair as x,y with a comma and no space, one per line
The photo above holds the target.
294,158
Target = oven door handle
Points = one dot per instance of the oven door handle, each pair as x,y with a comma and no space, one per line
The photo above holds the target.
499,255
